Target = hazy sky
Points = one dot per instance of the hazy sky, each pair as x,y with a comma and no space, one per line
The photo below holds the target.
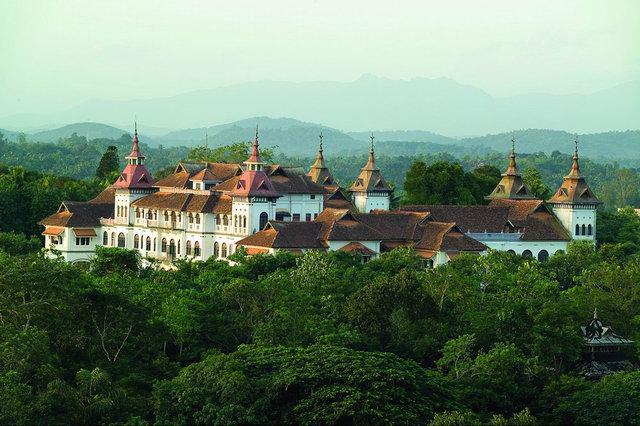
57,53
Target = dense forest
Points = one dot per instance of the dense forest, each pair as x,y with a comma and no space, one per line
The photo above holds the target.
315,339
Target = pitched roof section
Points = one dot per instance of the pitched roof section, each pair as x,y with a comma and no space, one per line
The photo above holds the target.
287,235
532,218
574,188
334,198
186,202
292,180
511,186
72,214
203,171
370,179
319,172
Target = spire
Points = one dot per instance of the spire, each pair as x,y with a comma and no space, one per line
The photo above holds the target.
370,178
574,188
135,174
255,153
511,186
512,170
135,150
595,313
319,173
371,162
575,166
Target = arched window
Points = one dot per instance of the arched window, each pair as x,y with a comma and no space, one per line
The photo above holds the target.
264,217
197,218
216,250
149,214
244,221
172,247
577,229
511,252
188,248
137,213
589,230
217,219
136,241
173,216
166,216
527,253
196,249
235,220
584,230
224,250
164,245
148,245
113,239
190,217
105,238
178,246
122,242
225,220
543,256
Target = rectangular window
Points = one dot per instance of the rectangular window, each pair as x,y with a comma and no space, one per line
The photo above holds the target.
315,215
313,197
308,217
296,217
82,241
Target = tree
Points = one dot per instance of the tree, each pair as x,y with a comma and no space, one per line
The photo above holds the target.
109,163
533,179
313,385
235,153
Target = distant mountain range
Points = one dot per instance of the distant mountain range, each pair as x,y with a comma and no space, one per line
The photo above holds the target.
441,105
297,138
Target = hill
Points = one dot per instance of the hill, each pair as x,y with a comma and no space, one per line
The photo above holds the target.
88,130
8,134
441,105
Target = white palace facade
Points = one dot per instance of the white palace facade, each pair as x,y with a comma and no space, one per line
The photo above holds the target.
207,210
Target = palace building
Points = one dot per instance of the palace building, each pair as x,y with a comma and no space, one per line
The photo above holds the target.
206,210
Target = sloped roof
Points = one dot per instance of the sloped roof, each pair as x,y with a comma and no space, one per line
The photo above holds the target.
468,218
187,202
72,214
574,188
355,247
319,172
534,220
107,196
175,180
511,186
370,178
292,180
286,235
342,225
185,172
334,198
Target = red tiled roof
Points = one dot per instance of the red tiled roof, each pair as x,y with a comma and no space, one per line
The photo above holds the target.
355,247
187,202
74,214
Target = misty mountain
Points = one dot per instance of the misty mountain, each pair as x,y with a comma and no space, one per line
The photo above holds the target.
404,136
88,130
441,105
9,135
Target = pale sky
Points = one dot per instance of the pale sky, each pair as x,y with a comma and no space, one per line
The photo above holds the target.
55,54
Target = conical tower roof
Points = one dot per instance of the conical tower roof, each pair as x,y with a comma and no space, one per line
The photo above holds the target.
370,178
135,175
319,172
511,186
574,188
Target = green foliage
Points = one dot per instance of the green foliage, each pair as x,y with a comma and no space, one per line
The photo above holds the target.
318,338
312,385
442,183
235,153
533,179
109,163
17,244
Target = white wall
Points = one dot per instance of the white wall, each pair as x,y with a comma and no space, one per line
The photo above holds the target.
365,202
569,217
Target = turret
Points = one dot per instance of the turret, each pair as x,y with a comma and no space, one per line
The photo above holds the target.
370,191
134,182
319,172
575,204
511,186
254,196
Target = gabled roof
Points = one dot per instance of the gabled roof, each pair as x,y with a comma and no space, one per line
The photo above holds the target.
355,247
319,172
334,198
72,214
597,334
534,220
343,225
286,235
468,218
